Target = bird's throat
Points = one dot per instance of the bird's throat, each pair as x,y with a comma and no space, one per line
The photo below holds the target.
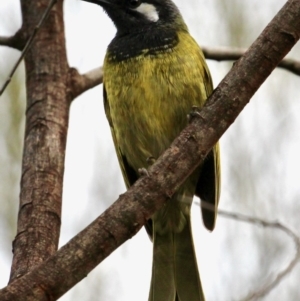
150,42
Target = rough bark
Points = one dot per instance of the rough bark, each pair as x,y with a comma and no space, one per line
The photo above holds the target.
79,83
127,215
47,113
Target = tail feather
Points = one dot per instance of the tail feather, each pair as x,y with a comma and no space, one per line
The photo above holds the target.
163,276
175,275
187,278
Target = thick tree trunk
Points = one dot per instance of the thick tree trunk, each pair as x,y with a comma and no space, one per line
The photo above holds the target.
45,138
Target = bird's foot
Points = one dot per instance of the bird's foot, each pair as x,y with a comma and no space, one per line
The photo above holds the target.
143,172
150,160
194,113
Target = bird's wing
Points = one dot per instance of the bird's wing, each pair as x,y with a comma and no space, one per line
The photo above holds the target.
208,185
129,174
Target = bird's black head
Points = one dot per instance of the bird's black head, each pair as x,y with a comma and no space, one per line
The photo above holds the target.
131,16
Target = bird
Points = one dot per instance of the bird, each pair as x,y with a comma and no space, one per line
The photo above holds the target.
154,73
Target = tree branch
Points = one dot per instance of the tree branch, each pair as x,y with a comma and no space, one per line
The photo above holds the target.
47,112
129,213
79,83
233,54
16,41
266,288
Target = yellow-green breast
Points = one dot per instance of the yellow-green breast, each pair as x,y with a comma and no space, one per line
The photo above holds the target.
149,97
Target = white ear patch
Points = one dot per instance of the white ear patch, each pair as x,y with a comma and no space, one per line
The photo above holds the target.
149,11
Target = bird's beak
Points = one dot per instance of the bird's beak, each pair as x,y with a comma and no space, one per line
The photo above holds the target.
99,2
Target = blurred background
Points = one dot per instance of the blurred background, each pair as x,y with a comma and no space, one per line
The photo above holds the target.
260,161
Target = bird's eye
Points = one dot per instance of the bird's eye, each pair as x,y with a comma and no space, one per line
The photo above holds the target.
134,3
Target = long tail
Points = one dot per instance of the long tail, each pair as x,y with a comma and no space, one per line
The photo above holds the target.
175,275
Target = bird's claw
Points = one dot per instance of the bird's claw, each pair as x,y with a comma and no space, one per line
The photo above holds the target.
194,113
143,172
150,160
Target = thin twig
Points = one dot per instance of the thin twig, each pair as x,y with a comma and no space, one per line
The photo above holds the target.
233,54
28,44
263,291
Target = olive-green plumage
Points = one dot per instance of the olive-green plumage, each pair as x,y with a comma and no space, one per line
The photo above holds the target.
149,98
154,73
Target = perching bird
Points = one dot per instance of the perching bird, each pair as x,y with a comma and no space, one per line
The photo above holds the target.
154,73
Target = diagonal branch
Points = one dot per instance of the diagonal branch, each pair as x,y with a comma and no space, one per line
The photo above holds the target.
128,214
233,54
